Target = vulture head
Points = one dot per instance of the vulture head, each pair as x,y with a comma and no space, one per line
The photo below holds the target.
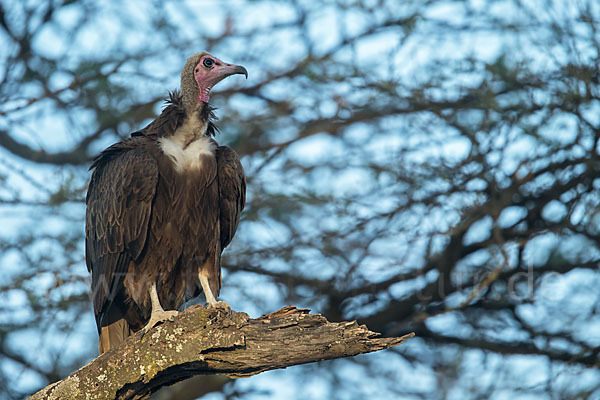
200,73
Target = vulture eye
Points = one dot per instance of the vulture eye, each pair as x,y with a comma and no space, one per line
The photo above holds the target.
208,62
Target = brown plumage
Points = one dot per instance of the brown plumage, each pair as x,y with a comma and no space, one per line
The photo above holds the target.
161,207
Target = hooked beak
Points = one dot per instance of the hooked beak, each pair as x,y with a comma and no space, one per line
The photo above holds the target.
224,70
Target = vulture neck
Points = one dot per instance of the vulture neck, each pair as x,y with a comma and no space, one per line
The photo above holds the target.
190,141
193,128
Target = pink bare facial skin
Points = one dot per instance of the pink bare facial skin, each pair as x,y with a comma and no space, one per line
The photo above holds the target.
210,71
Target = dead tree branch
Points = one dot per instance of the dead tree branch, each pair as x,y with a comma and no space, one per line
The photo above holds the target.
213,341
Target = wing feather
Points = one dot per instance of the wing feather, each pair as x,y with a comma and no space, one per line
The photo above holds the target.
232,192
119,206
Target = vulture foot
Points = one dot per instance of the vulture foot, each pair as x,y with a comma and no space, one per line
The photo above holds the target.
220,305
157,317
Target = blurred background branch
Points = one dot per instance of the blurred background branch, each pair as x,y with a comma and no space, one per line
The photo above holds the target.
425,165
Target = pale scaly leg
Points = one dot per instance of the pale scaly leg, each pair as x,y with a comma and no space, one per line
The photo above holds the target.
158,314
210,298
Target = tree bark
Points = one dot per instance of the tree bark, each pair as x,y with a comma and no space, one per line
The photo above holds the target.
215,341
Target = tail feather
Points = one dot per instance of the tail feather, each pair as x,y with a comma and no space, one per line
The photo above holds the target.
113,333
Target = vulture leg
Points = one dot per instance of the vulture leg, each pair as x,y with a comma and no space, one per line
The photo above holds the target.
158,314
210,298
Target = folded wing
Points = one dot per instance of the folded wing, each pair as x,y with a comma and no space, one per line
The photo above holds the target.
119,207
232,192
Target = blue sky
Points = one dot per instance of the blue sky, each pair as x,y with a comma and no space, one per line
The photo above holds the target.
41,126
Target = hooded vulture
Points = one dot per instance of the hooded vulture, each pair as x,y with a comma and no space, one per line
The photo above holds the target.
161,207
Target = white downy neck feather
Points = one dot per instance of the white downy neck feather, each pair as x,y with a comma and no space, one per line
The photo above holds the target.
187,144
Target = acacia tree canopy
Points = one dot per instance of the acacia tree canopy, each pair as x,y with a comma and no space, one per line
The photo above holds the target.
429,166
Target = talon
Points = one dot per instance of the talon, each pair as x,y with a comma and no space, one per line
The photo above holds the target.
159,316
220,305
